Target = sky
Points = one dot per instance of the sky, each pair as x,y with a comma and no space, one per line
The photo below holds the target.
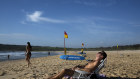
96,23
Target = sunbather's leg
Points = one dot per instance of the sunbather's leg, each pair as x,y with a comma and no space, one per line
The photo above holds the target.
64,72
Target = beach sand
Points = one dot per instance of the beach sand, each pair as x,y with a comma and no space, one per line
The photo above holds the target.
124,64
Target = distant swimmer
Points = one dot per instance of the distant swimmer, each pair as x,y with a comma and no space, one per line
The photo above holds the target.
8,57
28,53
49,53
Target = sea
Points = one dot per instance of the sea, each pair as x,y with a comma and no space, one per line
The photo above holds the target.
21,55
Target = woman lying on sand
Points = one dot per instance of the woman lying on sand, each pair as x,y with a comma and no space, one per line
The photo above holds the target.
28,53
90,67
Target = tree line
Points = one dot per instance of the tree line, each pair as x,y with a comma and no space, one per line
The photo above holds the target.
6,47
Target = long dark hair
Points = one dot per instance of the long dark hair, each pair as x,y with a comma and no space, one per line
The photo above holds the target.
29,45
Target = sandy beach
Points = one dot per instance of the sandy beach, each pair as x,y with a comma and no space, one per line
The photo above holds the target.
123,64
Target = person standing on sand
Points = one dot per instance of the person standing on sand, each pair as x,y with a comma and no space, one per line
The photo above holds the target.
28,53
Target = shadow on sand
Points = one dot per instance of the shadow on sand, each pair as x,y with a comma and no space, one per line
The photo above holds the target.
119,78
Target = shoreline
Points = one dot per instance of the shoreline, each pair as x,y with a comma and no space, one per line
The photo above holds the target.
17,55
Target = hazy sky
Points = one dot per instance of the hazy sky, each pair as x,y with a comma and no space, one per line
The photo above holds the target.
92,22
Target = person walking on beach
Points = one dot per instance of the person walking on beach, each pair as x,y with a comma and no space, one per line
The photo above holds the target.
28,53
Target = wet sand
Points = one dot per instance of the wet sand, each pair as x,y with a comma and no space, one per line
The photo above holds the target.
123,64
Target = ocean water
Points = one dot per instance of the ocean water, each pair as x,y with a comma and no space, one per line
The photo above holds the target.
21,55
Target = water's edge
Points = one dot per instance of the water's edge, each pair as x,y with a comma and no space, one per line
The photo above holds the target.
21,55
